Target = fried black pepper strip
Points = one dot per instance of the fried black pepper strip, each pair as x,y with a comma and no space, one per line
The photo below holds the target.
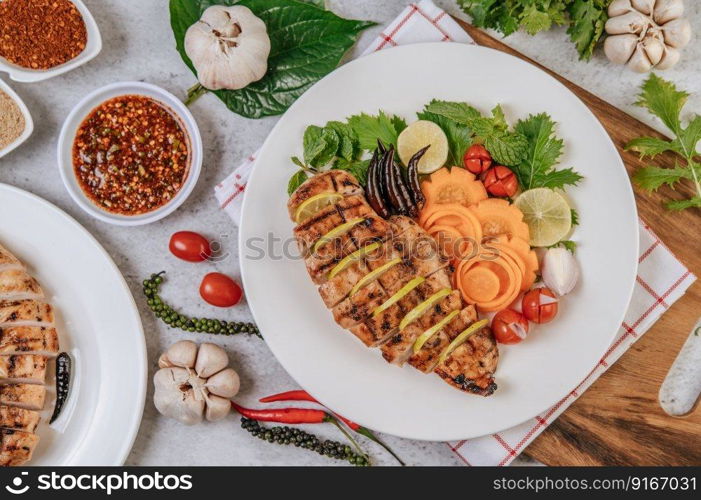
417,195
63,383
403,189
393,196
374,193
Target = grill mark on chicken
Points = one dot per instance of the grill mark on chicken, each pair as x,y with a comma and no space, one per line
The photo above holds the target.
470,367
26,339
16,447
17,284
18,368
332,181
29,396
26,312
19,419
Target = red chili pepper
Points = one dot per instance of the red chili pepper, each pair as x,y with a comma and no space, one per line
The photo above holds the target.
300,395
285,415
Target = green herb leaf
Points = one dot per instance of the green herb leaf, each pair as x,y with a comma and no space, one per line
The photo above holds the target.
348,145
649,146
359,169
588,18
652,178
544,149
678,205
307,43
295,181
459,135
460,112
569,245
369,128
575,217
314,143
663,100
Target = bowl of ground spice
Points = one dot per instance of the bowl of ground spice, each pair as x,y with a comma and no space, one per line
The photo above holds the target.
40,39
130,153
15,121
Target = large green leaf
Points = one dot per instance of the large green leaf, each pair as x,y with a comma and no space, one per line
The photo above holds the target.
306,42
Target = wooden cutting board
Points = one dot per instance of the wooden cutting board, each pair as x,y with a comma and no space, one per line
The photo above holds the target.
618,420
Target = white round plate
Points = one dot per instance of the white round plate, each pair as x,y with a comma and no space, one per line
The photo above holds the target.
532,376
99,326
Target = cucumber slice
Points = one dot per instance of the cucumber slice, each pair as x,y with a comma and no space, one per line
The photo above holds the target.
403,291
474,327
336,232
373,275
349,259
418,311
433,330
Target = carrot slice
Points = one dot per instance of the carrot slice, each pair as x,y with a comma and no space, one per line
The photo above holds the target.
528,257
499,217
460,219
481,283
489,284
456,185
449,240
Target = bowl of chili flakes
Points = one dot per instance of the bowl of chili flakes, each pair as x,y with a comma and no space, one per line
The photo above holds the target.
130,153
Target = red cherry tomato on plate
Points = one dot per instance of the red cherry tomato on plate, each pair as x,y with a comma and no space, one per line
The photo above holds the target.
190,246
539,305
500,181
509,326
477,159
220,290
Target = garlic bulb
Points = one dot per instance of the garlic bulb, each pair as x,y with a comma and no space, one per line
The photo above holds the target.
646,34
559,270
194,382
229,47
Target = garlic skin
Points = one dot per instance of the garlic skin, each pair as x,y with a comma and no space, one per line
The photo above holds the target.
646,34
560,271
229,47
194,383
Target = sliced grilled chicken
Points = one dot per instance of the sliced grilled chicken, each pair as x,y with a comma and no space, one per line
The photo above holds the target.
28,339
16,447
9,261
377,329
471,366
308,232
28,396
332,181
426,359
26,312
16,284
337,288
359,306
399,346
18,419
23,368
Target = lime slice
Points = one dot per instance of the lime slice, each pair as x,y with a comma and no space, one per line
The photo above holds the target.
433,330
418,135
349,259
314,205
336,232
547,214
403,291
423,307
373,275
474,327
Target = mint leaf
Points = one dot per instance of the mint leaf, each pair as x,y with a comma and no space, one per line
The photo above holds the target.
347,148
359,168
314,144
295,181
369,128
460,112
459,136
506,148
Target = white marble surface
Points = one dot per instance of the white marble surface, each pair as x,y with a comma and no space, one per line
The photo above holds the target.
138,45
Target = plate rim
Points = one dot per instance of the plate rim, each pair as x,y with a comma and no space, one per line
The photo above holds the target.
413,46
135,422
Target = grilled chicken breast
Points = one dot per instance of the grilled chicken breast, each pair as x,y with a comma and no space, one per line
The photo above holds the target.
359,306
471,366
16,284
16,447
19,419
337,288
26,313
23,368
332,181
7,260
28,396
28,339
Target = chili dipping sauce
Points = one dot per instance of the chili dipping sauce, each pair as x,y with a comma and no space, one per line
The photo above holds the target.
131,155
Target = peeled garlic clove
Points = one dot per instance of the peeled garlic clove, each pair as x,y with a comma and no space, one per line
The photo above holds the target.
619,7
632,22
670,57
226,383
210,359
560,271
639,61
677,33
182,353
619,48
654,49
645,6
666,10
217,408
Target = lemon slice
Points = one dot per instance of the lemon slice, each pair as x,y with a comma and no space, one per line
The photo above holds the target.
373,275
314,205
433,330
423,307
336,232
349,259
403,291
474,327
418,135
547,214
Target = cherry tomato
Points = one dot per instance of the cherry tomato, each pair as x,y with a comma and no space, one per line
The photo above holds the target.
477,159
189,246
500,181
539,305
509,326
220,290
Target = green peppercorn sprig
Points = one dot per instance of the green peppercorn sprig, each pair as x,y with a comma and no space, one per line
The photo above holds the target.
301,439
172,318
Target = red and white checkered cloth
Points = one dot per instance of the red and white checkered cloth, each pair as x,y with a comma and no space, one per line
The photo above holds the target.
661,279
